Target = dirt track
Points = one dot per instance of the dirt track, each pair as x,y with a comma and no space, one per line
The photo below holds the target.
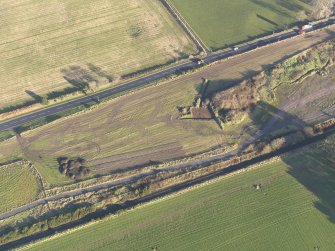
179,187
237,67
124,131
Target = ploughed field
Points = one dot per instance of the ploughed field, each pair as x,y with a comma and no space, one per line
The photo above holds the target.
43,42
293,210
223,23
18,186
144,127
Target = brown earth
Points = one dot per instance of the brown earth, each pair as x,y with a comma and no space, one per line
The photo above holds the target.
313,100
144,126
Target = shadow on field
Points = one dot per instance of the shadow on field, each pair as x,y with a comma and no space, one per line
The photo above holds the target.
267,20
36,97
99,72
287,4
316,171
312,166
273,7
77,76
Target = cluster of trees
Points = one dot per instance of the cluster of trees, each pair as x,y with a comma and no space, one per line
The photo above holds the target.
74,169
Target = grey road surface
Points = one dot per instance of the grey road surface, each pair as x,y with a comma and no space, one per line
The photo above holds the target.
148,79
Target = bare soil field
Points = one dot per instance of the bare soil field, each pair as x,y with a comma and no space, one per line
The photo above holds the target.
313,100
43,42
293,95
144,127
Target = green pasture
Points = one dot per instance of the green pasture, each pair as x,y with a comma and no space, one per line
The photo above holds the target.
223,23
294,210
17,187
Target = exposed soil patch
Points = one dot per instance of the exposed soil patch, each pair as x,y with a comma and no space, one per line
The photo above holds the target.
137,158
137,128
313,99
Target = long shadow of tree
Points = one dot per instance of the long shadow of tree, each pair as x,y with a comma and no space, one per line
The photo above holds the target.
314,167
77,76
36,97
317,175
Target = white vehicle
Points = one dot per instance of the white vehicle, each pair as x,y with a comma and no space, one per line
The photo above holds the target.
201,61
236,48
307,27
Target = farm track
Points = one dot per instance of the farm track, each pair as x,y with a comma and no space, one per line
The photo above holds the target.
120,182
202,162
151,154
157,76
170,190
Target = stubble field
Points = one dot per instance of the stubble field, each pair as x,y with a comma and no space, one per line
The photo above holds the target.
144,127
45,43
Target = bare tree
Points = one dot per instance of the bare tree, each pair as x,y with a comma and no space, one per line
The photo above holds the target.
322,8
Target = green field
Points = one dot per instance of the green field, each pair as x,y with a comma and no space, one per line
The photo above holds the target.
222,23
143,126
294,210
48,46
17,187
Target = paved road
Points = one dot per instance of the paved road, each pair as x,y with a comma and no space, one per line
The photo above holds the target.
148,79
202,162
116,183
182,166
185,166
179,187
131,85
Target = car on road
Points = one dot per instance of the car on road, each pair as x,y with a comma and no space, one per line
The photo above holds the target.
261,42
198,61
306,27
